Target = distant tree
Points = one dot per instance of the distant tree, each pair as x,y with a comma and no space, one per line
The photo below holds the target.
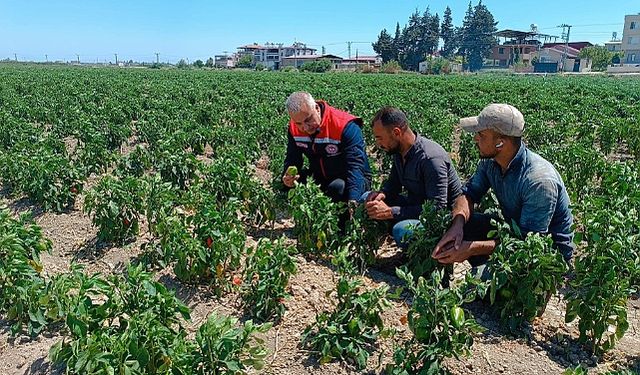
320,66
477,35
465,35
198,63
419,37
412,35
448,35
385,47
600,57
431,27
245,61
397,39
210,63
182,64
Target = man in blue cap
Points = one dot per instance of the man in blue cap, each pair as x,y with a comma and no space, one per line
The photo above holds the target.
529,190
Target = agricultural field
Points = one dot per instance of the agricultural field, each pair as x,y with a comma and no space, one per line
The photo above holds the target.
143,230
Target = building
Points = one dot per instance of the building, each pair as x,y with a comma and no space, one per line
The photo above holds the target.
270,55
296,61
359,61
516,47
565,58
631,39
225,61
613,45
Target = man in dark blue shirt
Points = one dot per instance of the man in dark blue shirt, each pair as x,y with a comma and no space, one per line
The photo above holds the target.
529,190
332,142
422,170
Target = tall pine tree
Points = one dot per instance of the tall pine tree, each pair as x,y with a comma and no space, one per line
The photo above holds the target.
433,34
465,35
421,36
385,47
398,43
447,33
484,38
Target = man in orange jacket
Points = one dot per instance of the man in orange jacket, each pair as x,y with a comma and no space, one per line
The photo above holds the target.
332,141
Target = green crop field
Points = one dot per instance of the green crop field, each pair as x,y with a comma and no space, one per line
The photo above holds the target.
181,169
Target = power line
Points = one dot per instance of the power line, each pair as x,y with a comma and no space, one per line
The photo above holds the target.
587,25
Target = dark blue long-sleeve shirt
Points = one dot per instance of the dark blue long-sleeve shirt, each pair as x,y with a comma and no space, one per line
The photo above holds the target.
329,160
425,173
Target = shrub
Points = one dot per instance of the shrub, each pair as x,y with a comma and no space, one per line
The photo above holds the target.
320,66
391,67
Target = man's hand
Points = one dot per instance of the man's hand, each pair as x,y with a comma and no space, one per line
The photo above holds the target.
289,181
375,196
454,255
451,239
377,209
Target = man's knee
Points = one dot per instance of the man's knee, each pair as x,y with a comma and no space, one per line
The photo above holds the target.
336,190
478,227
403,231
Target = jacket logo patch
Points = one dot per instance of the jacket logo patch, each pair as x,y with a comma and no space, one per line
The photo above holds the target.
331,149
302,144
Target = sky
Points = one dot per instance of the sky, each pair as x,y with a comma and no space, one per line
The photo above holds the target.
90,30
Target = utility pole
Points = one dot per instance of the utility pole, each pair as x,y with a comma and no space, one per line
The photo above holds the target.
116,58
566,30
46,57
158,58
324,51
15,56
349,48
78,58
356,59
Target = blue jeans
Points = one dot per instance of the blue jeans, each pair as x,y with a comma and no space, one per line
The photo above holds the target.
402,231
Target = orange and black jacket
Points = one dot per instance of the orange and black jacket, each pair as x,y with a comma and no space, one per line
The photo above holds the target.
336,150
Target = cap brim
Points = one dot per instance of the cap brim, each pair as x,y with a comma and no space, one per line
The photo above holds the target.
470,124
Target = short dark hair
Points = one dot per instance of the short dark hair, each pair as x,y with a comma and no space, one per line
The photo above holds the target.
391,117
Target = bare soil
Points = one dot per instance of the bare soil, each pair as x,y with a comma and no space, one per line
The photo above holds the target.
548,347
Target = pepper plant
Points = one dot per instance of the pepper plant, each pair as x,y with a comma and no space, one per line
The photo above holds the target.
441,328
116,205
223,347
350,331
268,268
433,224
315,217
21,280
363,237
214,252
525,273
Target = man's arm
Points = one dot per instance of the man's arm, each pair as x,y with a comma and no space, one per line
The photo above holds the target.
452,248
452,241
539,204
356,158
434,173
